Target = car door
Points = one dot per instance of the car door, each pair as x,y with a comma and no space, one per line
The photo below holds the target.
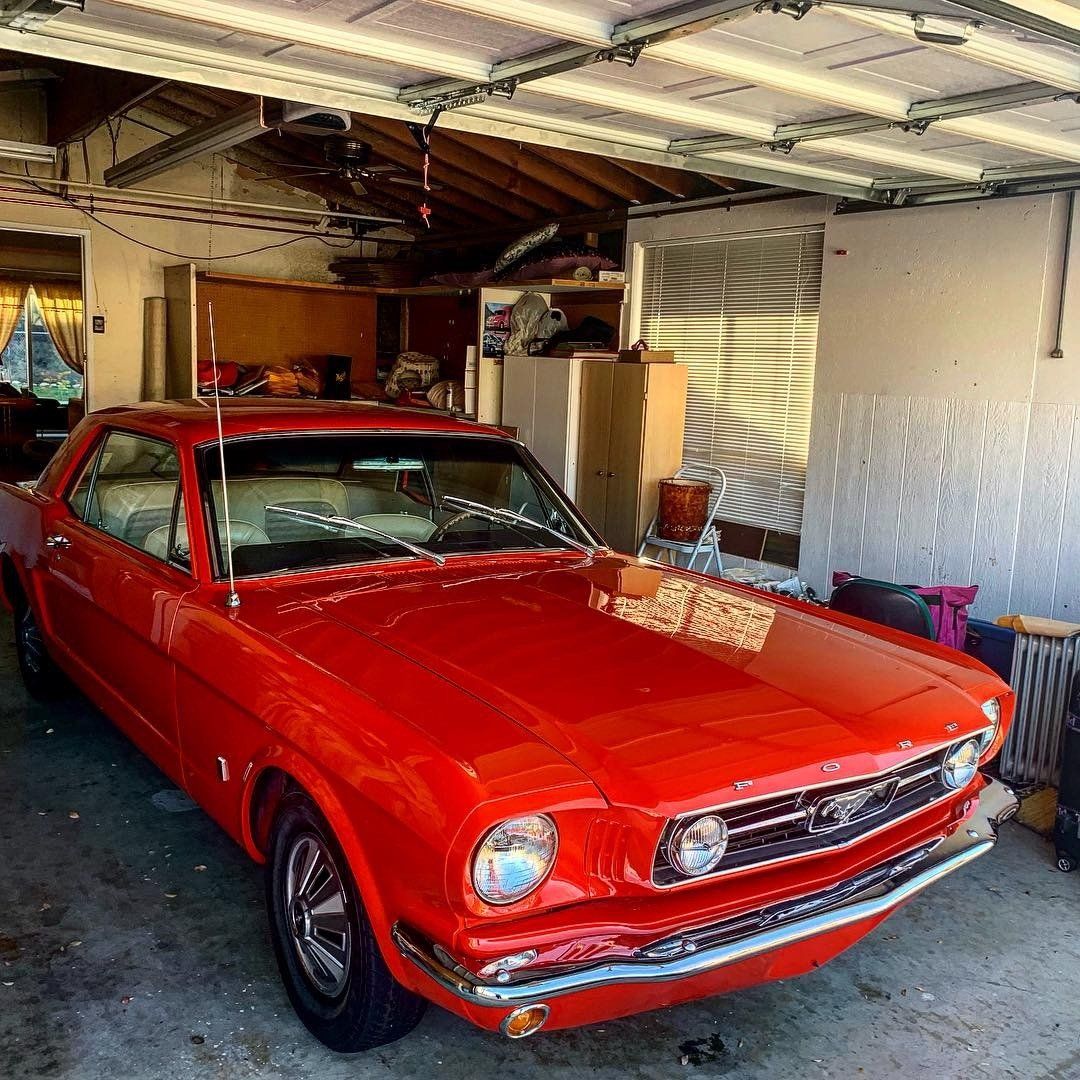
115,573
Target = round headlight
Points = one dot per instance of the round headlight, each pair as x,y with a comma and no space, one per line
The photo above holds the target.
960,764
698,846
514,858
992,711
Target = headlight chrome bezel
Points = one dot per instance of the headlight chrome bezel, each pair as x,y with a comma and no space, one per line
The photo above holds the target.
674,850
991,709
950,777
508,825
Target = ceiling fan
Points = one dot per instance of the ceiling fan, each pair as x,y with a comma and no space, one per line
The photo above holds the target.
350,159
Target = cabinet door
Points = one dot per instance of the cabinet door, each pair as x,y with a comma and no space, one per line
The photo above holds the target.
625,446
664,422
594,433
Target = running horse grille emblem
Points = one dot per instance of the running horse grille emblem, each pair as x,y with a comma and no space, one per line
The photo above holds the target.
846,807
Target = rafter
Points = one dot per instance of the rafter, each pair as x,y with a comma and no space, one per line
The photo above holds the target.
584,188
449,202
258,159
631,188
449,165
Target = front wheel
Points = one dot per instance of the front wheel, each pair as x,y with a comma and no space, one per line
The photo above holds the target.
326,950
1065,862
41,677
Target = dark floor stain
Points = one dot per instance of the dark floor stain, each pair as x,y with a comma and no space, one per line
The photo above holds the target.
703,1051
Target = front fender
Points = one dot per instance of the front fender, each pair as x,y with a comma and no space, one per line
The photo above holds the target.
333,808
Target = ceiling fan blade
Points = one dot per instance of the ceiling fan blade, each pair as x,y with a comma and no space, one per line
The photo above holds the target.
358,188
385,168
410,181
308,170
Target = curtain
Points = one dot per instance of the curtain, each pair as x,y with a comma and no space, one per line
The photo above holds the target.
12,305
62,309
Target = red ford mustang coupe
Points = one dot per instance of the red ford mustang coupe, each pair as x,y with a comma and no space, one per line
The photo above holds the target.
487,761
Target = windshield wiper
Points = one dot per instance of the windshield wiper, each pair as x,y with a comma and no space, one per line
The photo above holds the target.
501,514
333,521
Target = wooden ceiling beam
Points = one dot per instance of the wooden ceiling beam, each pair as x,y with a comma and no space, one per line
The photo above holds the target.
521,159
472,172
86,97
462,179
257,159
458,200
597,170
278,152
672,182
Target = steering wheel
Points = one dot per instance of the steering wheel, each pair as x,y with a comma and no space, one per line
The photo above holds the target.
447,525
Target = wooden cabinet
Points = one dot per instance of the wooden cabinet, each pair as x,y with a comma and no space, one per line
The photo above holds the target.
263,321
630,437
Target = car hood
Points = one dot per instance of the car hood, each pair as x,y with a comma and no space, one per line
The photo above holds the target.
671,690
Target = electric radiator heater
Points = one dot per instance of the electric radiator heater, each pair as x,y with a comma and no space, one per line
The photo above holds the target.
1042,673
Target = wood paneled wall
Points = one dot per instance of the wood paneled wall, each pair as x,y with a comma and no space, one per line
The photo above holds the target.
277,324
948,491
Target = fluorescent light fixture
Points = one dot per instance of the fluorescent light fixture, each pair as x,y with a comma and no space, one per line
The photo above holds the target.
943,30
22,151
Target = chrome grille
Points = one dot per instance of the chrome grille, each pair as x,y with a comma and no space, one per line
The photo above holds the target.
816,819
741,926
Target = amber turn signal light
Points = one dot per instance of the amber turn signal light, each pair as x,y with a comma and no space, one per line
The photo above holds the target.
524,1021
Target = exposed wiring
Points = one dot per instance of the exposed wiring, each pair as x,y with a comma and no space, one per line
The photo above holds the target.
176,254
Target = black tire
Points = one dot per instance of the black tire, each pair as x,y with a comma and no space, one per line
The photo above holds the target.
1065,862
40,675
361,1006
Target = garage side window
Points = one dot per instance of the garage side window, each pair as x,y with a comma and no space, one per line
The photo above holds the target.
131,490
742,314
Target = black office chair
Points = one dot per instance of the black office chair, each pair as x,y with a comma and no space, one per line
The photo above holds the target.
886,603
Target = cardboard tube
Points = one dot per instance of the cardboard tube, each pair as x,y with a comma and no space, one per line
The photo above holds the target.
153,348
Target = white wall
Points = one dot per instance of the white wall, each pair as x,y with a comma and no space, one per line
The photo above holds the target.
122,273
945,443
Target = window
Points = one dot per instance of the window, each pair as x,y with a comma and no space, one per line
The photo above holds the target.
31,361
742,315
130,489
304,501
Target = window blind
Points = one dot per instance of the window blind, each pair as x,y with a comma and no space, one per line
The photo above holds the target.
742,315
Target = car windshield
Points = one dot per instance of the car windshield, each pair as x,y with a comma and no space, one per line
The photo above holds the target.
301,501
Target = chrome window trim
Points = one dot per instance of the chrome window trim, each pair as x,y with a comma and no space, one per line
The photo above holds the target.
722,807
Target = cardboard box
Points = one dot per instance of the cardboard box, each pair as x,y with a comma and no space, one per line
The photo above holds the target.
647,356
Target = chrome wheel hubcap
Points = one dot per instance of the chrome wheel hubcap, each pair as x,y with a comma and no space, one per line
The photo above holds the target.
33,648
315,912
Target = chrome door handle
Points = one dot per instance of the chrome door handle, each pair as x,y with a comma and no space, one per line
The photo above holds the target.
610,475
57,541
599,472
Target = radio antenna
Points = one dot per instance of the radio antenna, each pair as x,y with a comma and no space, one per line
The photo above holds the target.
232,598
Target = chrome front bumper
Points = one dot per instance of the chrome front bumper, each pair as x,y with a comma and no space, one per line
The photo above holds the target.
975,837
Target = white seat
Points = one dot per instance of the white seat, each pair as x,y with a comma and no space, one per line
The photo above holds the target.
241,532
403,526
707,542
131,509
249,498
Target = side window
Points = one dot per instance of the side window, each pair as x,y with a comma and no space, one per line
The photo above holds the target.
80,493
131,490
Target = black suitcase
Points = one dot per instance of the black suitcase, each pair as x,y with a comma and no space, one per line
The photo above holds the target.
1067,825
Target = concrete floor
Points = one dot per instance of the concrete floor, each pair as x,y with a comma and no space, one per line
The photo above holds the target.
121,957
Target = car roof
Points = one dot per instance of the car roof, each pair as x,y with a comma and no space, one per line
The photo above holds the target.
193,420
